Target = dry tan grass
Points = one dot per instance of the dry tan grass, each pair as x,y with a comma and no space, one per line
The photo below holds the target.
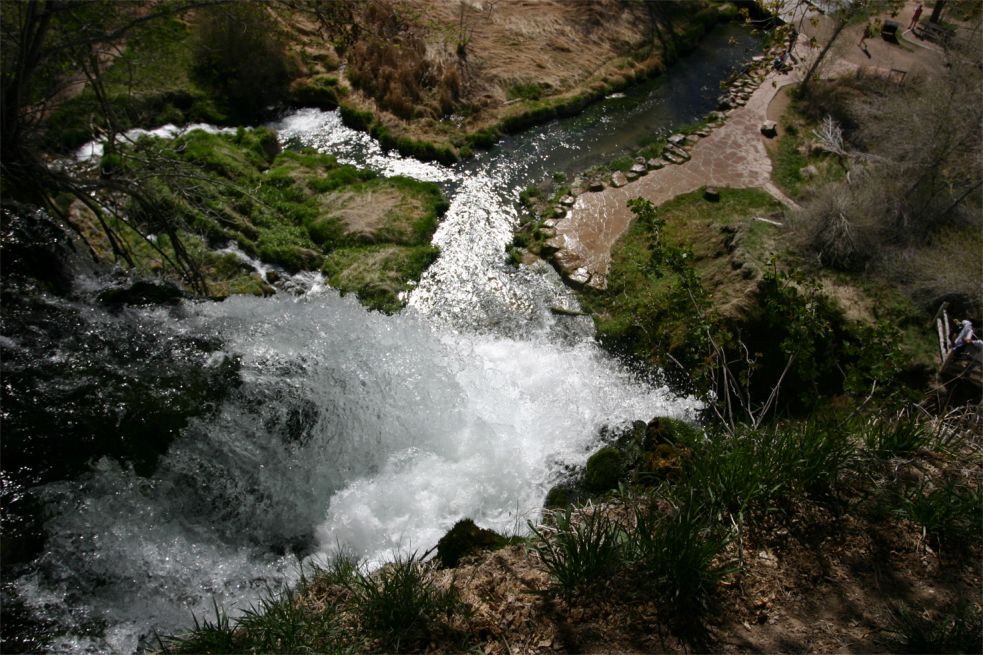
565,46
365,212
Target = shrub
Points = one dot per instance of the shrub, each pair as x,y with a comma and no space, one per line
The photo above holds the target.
237,54
580,550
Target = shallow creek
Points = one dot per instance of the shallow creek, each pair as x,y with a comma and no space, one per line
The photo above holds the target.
354,429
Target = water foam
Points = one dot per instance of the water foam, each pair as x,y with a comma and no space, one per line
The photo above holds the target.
369,431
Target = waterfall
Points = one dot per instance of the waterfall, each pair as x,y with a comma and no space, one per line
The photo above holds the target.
355,429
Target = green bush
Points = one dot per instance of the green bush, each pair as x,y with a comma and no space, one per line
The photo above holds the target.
579,550
238,55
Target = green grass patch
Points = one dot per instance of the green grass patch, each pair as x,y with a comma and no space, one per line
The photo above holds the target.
523,91
287,208
645,309
378,274
794,153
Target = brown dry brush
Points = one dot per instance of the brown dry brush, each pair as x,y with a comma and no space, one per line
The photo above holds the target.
391,65
915,167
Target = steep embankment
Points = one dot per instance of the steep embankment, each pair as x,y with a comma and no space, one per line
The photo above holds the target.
437,79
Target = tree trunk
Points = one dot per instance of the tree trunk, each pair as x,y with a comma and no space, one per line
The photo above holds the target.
840,25
937,11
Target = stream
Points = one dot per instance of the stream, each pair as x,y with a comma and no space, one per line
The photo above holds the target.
346,428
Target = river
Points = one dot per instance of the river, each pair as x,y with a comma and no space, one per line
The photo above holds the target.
354,429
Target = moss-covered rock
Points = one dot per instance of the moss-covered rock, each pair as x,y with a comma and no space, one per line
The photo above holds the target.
562,495
666,447
466,538
605,469
665,430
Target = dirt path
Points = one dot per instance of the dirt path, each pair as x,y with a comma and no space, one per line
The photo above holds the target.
733,155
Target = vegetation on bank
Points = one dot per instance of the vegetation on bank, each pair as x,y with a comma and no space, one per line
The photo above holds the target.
675,542
435,107
299,210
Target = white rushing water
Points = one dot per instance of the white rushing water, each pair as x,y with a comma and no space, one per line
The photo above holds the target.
351,428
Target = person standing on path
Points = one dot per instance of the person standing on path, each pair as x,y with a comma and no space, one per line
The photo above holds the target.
865,36
915,16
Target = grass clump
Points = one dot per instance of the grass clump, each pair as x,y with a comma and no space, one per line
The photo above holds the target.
757,471
947,512
580,549
902,435
400,605
678,549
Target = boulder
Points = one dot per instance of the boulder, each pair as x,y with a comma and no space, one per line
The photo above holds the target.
598,282
703,132
691,139
677,139
567,260
631,176
769,129
596,185
464,539
679,152
605,469
655,164
673,158
665,430
567,200
553,244
142,292
725,102
550,223
618,179
639,168
560,496
272,277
